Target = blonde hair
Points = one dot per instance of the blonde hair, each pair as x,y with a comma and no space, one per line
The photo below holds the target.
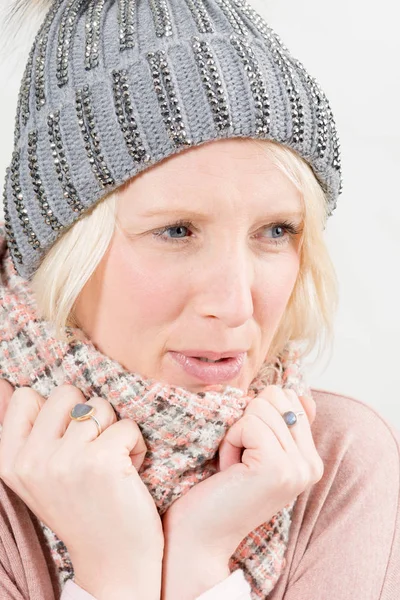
310,311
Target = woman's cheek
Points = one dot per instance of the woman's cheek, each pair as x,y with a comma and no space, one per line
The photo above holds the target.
149,289
281,279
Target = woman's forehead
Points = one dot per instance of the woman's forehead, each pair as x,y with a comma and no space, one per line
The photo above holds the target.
203,178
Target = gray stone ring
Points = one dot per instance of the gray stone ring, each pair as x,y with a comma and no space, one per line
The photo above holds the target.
290,417
81,412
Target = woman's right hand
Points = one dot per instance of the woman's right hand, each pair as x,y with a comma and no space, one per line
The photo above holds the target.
84,486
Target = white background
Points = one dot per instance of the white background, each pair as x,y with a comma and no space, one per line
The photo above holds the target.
353,49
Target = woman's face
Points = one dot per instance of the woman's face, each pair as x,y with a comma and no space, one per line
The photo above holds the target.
218,281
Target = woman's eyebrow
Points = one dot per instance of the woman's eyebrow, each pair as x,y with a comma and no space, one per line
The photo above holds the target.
274,214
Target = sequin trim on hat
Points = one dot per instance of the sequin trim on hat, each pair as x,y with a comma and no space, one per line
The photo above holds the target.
87,124
127,10
166,95
200,16
15,254
93,22
65,34
212,82
61,163
42,40
37,184
257,84
23,98
162,17
279,56
126,120
233,17
19,202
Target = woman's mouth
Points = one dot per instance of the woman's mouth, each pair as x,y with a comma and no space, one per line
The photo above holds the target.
208,371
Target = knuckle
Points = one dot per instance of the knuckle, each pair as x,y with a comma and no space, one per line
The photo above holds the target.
97,461
24,468
59,469
272,390
7,473
254,406
105,408
66,390
317,470
131,425
291,396
251,418
303,474
20,394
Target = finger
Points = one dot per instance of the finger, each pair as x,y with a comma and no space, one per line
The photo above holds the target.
23,409
86,430
6,391
252,434
309,406
268,413
284,400
53,419
124,439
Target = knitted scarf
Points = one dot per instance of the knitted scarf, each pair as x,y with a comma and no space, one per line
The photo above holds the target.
182,430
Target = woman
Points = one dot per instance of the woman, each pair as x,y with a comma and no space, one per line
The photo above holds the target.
131,467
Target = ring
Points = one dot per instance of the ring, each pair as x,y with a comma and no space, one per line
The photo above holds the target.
81,412
290,417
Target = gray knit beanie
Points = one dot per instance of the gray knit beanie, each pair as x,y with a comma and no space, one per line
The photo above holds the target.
112,87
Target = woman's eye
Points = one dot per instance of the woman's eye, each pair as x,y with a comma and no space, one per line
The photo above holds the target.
180,229
279,230
290,229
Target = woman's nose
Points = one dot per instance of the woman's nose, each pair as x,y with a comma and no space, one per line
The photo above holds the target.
226,289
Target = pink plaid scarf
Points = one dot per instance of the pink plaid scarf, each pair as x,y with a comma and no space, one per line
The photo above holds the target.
182,430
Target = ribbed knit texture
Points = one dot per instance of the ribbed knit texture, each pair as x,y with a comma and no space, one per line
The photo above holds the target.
182,430
113,87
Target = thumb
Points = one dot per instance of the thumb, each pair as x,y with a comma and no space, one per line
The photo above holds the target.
6,391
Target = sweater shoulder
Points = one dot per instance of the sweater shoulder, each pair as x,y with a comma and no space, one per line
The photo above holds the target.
355,429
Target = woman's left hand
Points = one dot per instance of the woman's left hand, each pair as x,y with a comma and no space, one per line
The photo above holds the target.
263,466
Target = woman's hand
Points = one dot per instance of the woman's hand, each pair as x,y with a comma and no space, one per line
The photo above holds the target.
213,517
85,487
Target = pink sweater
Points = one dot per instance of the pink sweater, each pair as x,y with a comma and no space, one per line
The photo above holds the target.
344,542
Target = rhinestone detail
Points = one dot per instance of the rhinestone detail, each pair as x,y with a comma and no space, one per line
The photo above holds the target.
127,19
162,18
19,201
212,83
87,124
61,164
38,187
42,40
280,57
168,102
15,254
126,120
233,17
325,119
23,98
65,33
93,22
321,114
279,50
200,16
257,84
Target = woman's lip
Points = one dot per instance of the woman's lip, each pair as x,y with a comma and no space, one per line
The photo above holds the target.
210,372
